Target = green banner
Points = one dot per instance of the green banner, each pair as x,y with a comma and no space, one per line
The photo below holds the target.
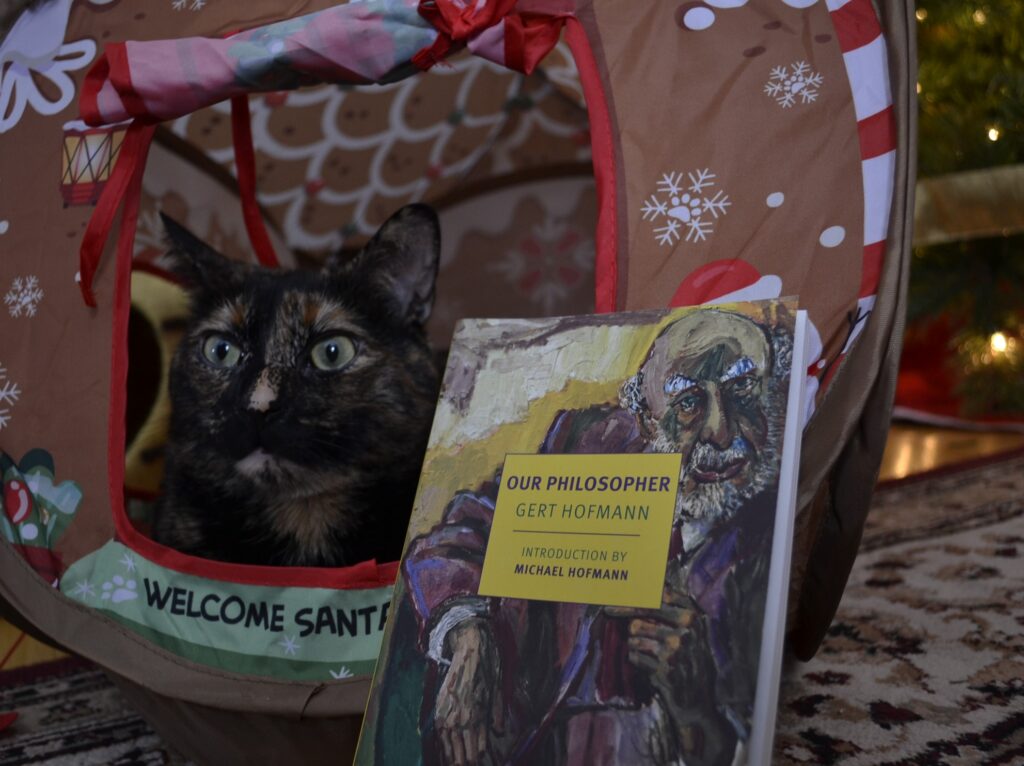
284,632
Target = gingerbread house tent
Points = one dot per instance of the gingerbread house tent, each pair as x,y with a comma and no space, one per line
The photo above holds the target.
584,155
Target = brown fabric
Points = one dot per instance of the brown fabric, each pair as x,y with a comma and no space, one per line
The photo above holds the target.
331,182
235,738
708,111
124,652
848,433
517,250
60,357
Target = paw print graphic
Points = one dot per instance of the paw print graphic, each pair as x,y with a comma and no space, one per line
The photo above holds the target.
117,589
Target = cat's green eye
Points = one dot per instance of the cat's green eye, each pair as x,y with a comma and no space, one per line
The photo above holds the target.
221,352
333,353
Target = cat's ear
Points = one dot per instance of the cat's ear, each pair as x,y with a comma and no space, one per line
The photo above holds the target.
198,265
402,261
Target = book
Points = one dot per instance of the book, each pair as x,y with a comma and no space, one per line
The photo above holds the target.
597,562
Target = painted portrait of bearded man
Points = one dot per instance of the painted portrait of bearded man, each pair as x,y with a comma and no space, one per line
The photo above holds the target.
532,682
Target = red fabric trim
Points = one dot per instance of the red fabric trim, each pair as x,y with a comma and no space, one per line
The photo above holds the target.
606,267
856,24
366,574
91,86
134,147
529,37
6,719
871,269
877,134
245,167
121,79
119,334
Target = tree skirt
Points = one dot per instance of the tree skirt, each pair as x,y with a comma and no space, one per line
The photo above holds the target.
924,663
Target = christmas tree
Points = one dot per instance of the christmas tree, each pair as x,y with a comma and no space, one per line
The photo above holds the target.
969,272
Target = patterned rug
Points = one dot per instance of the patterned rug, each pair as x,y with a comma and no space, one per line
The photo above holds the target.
923,665
69,714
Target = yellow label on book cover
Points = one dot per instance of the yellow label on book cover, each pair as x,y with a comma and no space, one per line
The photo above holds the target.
591,529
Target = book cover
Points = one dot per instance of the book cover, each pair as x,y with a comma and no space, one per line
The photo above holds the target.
596,565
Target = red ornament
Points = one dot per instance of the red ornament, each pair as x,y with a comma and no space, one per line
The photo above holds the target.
17,501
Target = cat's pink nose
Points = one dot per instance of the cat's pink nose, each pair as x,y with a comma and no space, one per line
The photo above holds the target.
264,393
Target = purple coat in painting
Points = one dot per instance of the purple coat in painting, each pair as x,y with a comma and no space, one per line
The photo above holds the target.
569,692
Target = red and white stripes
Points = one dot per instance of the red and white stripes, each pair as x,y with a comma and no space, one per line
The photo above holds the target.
860,38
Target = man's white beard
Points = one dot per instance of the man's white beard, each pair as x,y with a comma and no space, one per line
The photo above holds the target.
720,500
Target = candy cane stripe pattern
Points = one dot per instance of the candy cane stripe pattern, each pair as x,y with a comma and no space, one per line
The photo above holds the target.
860,38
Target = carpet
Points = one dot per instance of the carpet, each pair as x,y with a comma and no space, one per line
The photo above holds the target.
924,663
69,714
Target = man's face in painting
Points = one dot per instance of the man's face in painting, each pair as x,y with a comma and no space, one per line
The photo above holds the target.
703,392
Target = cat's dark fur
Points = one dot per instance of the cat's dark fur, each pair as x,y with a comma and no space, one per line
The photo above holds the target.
272,460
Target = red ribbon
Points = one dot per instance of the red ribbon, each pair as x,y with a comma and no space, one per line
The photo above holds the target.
455,23
245,166
127,174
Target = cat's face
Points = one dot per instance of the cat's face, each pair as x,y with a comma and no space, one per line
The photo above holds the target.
300,382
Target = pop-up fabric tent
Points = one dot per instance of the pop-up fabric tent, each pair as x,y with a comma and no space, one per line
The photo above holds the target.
584,155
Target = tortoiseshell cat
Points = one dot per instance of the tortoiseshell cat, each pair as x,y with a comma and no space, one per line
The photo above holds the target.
301,402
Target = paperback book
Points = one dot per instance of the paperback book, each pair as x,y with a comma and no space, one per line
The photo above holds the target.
598,558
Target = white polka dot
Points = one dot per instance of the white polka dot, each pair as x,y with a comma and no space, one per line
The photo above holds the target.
699,18
29,531
775,199
4,225
726,3
799,3
832,236
78,276
821,363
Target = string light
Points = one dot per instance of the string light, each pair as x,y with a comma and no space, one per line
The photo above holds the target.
998,343
993,133
921,14
979,17
919,88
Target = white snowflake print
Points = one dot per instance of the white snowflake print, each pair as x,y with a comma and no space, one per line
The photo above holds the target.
343,672
192,5
9,393
786,83
678,205
84,589
289,644
23,297
127,562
